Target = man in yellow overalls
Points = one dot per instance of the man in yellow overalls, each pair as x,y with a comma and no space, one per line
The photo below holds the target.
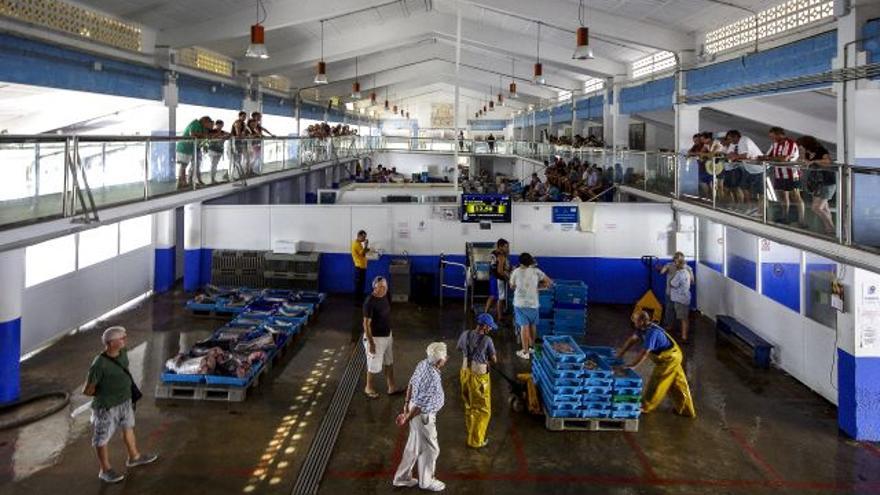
478,351
359,249
668,372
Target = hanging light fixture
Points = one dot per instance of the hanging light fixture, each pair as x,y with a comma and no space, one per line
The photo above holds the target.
491,101
356,86
257,48
321,76
407,115
511,90
500,96
387,106
395,110
539,69
582,50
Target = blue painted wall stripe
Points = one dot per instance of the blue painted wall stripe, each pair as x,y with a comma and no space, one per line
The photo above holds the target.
33,62
192,267
629,276
781,282
10,353
164,269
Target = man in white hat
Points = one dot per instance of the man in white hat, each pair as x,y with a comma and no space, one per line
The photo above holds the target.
424,399
110,385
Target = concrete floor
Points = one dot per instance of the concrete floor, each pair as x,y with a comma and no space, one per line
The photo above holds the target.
757,431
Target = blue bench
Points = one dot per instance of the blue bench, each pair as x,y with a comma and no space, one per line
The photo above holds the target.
731,328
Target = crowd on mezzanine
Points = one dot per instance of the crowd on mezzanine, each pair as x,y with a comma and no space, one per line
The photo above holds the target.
577,141
323,130
737,173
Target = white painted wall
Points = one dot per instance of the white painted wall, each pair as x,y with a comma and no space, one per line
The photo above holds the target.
803,348
64,303
621,230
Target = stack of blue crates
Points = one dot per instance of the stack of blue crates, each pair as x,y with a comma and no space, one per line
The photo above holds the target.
559,376
626,392
570,308
545,312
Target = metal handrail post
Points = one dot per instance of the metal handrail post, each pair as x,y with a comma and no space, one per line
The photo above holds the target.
849,198
196,164
64,192
714,183
764,203
147,169
645,164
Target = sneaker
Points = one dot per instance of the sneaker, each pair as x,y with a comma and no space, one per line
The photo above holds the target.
531,350
522,354
110,476
406,483
436,486
142,460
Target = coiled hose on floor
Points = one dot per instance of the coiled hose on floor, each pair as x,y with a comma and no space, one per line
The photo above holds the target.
61,403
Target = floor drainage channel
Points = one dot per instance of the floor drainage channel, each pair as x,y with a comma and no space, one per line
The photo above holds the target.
312,471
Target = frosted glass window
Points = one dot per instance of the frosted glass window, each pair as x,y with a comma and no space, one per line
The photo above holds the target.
712,245
50,259
97,245
781,274
135,233
819,272
742,257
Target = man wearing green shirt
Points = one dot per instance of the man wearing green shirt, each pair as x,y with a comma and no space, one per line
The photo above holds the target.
109,384
186,151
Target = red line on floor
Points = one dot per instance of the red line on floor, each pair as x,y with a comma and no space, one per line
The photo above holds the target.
871,448
640,453
522,462
398,448
769,471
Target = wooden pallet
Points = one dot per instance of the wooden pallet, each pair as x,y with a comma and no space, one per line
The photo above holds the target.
204,391
590,424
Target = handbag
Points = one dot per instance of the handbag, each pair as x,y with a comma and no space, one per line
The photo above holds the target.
136,393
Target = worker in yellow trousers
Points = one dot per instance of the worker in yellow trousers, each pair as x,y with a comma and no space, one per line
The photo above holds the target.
478,351
668,375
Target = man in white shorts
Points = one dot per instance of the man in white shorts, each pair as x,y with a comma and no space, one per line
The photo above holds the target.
378,342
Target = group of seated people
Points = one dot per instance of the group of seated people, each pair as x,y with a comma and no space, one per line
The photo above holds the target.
733,167
577,142
380,174
324,130
571,181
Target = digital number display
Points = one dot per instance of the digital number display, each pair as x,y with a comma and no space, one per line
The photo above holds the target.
485,208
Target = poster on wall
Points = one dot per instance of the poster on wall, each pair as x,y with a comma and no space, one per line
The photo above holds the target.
564,214
867,314
441,115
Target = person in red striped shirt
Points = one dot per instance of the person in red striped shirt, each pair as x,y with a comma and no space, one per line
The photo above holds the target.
786,180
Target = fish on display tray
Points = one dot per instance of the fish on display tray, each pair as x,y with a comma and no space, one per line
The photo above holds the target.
562,347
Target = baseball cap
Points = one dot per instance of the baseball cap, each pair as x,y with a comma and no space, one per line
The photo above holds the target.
486,319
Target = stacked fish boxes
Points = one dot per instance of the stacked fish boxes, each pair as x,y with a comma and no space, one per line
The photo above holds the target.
558,371
627,386
545,312
570,308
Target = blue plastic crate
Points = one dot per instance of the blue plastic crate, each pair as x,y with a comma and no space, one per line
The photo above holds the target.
598,382
194,306
232,380
544,327
575,356
625,414
625,406
596,398
570,316
601,351
556,373
555,377
569,329
627,390
570,292
596,390
595,414
627,378
170,377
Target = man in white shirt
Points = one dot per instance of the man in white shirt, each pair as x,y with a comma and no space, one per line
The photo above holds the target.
525,281
749,186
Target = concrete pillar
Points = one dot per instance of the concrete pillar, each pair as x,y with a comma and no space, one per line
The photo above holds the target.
12,266
619,121
164,227
858,368
687,123
607,120
196,260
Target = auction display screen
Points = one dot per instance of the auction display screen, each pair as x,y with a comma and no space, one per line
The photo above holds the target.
477,208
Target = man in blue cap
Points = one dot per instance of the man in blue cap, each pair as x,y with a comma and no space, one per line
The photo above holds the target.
478,351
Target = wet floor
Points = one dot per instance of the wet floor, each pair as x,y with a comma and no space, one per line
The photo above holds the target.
756,431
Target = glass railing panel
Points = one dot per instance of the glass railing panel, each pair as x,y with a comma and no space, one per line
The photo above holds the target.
660,175
274,155
33,180
629,167
114,171
865,205
804,197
